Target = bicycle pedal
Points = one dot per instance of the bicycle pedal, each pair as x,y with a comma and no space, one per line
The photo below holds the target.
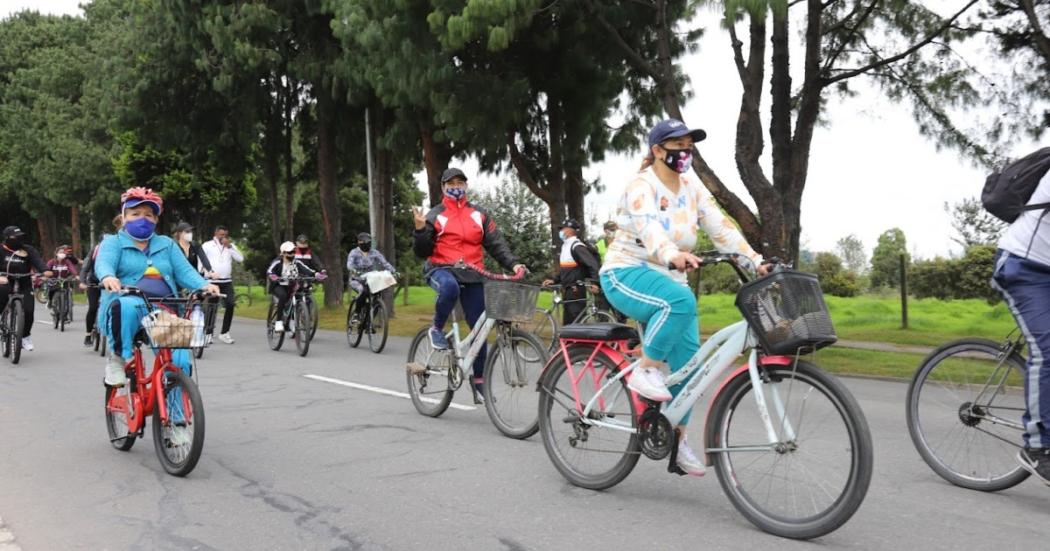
416,368
675,469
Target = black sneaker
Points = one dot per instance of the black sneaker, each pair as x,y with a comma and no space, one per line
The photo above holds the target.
1037,462
88,341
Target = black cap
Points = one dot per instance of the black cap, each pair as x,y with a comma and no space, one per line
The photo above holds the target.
451,173
570,223
13,231
363,237
183,226
673,128
302,238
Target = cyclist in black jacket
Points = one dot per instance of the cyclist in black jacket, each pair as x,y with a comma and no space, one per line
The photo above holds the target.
575,264
18,258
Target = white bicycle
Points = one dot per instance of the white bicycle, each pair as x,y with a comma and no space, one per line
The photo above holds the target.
512,368
790,444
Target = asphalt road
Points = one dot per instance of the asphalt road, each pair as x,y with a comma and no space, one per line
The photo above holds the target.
292,462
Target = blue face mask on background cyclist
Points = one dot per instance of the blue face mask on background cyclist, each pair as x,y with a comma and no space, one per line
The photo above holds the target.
561,235
141,228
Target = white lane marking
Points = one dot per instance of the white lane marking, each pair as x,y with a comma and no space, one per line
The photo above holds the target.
383,391
7,539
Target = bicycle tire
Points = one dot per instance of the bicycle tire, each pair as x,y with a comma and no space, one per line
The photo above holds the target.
315,317
545,328
102,348
527,368
725,411
40,294
18,320
302,329
273,338
437,402
1013,473
549,421
116,414
353,335
61,310
597,316
55,315
377,335
5,332
188,395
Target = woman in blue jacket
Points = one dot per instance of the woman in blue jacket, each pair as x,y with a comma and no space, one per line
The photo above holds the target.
137,257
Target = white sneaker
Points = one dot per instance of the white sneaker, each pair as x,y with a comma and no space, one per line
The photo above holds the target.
688,461
226,338
27,344
278,326
115,375
649,382
208,340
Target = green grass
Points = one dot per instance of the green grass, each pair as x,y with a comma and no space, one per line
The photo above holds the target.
867,318
931,322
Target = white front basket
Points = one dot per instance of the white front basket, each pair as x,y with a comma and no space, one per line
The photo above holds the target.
378,281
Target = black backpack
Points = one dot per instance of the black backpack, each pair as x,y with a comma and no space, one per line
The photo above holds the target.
1006,193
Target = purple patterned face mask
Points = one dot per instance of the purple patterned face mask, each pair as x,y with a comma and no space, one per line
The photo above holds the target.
679,160
456,193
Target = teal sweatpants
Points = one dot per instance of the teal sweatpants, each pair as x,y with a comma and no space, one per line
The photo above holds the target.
666,307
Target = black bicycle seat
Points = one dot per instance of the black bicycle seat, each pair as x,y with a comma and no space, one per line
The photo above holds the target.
599,332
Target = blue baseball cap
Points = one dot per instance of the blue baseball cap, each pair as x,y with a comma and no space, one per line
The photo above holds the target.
673,128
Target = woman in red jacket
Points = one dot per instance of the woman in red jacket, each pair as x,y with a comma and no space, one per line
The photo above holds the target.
452,231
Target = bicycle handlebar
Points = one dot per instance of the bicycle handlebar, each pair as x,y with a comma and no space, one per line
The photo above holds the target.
715,257
517,276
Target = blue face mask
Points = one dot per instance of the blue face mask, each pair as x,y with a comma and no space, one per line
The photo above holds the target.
561,235
456,193
141,228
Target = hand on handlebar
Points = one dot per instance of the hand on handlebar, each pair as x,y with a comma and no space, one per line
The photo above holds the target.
685,261
321,276
211,289
547,283
273,277
111,284
520,269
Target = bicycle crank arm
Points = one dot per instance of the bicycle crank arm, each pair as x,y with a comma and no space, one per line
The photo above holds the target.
672,464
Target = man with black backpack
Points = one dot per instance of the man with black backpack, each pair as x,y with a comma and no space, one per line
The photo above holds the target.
1020,195
576,263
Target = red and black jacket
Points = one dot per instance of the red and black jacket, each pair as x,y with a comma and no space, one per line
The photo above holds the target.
458,230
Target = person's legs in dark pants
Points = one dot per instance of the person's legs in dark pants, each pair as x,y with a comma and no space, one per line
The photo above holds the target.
1025,285
280,292
447,287
473,300
93,296
574,300
229,302
29,307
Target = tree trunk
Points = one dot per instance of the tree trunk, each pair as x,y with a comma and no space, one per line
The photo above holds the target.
291,95
384,199
436,157
46,225
329,195
74,230
575,192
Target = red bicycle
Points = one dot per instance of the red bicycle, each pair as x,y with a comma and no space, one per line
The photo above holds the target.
171,326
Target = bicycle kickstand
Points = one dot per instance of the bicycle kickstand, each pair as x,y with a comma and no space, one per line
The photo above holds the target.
672,465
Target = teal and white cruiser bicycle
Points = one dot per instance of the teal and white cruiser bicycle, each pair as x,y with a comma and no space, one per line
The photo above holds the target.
790,444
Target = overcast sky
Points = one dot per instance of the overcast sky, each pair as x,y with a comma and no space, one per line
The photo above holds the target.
870,170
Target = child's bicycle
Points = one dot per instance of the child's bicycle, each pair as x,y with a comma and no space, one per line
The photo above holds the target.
170,326
790,444
511,370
